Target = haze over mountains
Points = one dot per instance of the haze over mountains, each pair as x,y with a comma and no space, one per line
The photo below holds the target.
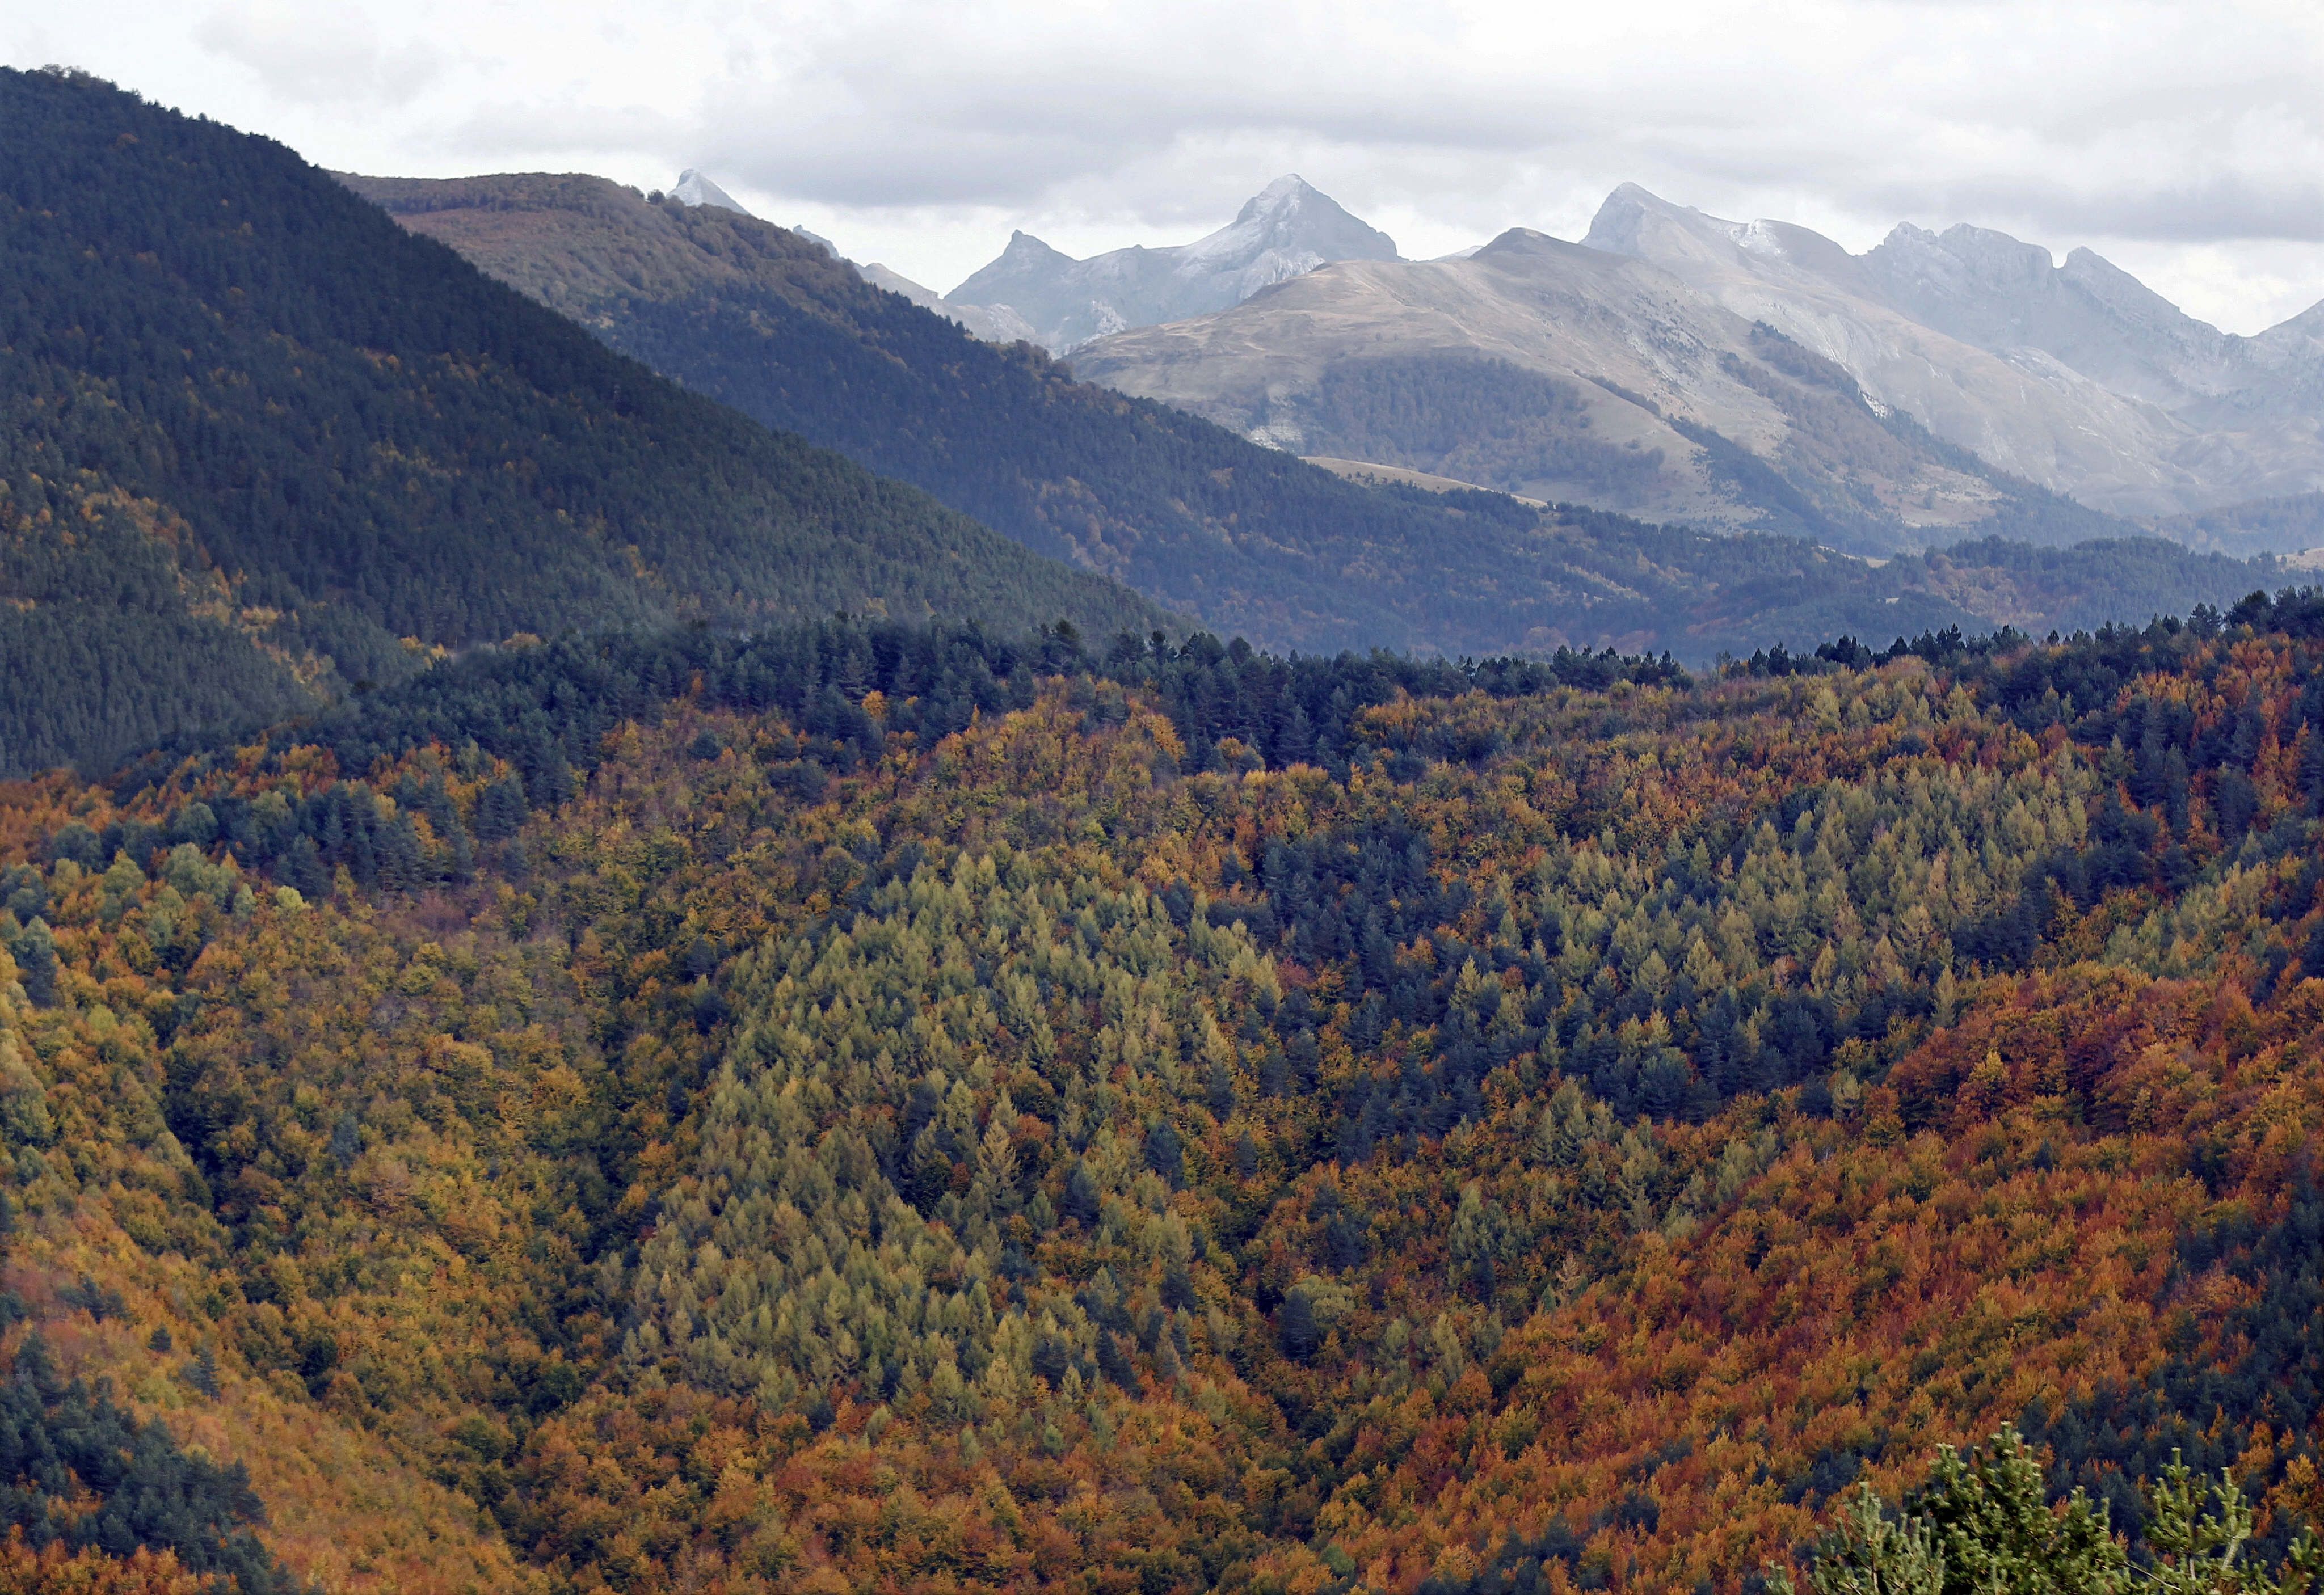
285,542
2074,378
1285,230
1239,537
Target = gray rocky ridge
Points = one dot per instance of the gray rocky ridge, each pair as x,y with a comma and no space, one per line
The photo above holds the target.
2075,377
694,188
1285,230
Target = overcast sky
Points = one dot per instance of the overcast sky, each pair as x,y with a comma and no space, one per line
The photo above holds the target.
2184,142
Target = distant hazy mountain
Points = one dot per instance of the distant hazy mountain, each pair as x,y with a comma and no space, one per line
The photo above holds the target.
1245,538
1988,367
694,188
1578,374
1987,289
995,324
2030,414
1285,230
2103,389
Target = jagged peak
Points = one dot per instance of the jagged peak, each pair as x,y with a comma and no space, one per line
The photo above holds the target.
2092,273
1291,213
1639,194
1990,245
1614,227
2085,264
693,189
1024,247
1287,193
1984,248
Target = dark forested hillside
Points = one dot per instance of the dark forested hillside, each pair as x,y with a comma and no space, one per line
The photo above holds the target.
873,1107
2290,525
260,441
1245,538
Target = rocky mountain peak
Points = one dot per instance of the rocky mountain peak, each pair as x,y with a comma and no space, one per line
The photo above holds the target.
693,189
1024,249
1286,229
1292,219
1621,219
1285,193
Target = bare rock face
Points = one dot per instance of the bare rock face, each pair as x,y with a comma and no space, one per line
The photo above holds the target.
1285,230
1989,290
694,188
1924,328
1569,373
2075,378
2104,388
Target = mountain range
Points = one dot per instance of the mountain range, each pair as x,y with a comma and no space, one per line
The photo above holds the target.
1242,538
675,965
2073,378
266,448
1284,231
374,413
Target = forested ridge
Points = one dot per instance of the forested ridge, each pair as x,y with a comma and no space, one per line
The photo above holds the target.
262,446
1250,541
869,1106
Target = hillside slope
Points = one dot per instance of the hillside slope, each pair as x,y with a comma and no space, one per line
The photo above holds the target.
1243,537
262,444
1246,538
865,1107
1572,374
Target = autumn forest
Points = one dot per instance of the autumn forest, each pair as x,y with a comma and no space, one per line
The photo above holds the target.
923,1099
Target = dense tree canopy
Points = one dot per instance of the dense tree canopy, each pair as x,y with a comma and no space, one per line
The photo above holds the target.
259,443
877,1107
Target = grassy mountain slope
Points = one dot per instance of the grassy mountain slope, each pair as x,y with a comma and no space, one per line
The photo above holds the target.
1565,373
864,1106
262,443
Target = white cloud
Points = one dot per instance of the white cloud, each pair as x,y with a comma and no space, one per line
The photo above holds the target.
308,56
2185,143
